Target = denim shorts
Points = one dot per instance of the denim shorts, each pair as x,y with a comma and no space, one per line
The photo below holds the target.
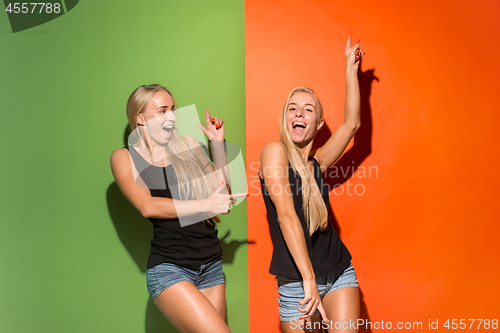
292,291
166,275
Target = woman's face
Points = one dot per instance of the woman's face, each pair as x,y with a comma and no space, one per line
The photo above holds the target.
158,117
302,117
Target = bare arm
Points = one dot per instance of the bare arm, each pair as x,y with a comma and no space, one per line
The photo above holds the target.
339,140
157,207
214,131
220,162
274,170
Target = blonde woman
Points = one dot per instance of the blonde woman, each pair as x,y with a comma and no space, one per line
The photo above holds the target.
167,177
313,267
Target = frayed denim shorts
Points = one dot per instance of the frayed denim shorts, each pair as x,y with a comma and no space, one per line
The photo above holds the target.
166,275
292,291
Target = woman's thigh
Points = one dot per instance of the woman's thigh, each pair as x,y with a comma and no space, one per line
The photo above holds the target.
189,309
217,296
211,282
308,325
342,309
341,303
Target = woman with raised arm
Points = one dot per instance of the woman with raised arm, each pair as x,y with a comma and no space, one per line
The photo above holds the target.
168,178
313,267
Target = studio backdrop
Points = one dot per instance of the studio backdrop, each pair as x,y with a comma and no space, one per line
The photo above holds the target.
414,198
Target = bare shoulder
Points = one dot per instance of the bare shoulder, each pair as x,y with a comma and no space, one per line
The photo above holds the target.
274,153
119,156
121,164
273,149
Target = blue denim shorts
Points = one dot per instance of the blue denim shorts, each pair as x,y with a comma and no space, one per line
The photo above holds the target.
291,291
166,275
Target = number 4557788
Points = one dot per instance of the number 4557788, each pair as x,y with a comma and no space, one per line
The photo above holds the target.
463,323
24,7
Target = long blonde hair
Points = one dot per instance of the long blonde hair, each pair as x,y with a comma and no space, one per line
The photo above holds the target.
190,169
314,207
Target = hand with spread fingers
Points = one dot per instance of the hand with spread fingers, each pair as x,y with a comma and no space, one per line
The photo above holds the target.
214,129
353,54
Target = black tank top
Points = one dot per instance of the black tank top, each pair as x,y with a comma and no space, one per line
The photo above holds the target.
190,246
327,253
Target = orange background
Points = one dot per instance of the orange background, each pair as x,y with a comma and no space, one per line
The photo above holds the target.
424,234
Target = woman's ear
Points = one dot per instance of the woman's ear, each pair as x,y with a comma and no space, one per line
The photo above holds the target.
140,119
320,125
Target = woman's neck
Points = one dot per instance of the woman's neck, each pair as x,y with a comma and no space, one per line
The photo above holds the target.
305,150
155,152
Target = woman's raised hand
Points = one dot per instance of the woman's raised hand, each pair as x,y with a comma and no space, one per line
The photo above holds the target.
312,299
220,203
353,54
214,129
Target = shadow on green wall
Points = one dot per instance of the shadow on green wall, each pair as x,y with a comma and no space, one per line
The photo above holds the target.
135,233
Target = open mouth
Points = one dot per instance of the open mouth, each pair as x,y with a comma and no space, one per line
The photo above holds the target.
167,129
298,126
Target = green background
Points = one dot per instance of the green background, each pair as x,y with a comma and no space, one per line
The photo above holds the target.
73,250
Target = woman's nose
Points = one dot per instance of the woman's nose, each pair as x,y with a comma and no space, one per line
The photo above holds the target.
171,116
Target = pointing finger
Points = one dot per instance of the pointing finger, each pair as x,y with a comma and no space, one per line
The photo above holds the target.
322,312
349,42
238,195
207,116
